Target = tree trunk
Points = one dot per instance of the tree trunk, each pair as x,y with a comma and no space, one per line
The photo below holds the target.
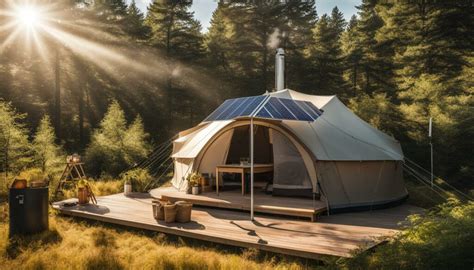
367,82
81,116
57,97
354,80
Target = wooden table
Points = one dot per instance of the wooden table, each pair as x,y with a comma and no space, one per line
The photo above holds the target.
242,169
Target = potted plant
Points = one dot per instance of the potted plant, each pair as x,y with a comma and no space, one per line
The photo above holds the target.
194,181
195,188
189,187
83,191
127,187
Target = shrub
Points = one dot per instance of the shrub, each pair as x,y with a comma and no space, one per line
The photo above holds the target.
139,178
443,239
33,174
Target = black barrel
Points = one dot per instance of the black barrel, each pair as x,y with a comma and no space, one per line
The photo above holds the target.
28,210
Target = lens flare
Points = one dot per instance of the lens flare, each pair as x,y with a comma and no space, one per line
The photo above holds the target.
29,16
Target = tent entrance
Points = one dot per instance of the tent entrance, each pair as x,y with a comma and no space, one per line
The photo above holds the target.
290,176
239,149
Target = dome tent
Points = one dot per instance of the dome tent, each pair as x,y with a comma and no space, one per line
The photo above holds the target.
347,161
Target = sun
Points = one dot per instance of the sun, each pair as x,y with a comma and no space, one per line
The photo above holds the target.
28,16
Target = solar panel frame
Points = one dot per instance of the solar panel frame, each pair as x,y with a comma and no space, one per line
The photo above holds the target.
294,107
263,113
256,103
267,107
241,103
217,111
281,109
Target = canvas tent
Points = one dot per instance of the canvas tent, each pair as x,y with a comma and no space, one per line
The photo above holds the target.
341,157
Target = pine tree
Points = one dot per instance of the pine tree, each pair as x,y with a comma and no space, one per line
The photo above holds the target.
353,54
46,154
135,142
431,66
114,146
299,18
174,29
135,22
178,35
245,35
111,10
326,54
14,144
220,50
371,66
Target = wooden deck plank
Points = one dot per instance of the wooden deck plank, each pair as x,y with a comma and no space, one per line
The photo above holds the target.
292,237
263,203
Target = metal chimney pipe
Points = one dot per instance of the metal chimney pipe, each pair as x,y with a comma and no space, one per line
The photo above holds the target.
280,69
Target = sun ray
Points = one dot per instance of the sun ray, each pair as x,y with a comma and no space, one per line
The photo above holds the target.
10,25
111,54
10,38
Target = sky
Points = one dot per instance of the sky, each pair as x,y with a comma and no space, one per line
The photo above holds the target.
203,8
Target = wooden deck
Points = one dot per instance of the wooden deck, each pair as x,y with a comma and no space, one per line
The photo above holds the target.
330,236
263,203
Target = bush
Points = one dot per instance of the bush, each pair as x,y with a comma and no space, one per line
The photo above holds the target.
103,188
33,174
443,239
139,178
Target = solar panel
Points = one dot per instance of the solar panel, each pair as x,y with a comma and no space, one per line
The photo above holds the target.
265,107
296,110
234,108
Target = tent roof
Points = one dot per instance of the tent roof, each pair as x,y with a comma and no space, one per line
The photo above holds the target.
337,135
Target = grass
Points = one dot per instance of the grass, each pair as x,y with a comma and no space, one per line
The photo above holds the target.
76,244
441,239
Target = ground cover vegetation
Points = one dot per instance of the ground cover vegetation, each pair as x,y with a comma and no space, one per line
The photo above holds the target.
439,240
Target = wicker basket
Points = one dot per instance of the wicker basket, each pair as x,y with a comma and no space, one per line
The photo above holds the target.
183,211
170,212
158,211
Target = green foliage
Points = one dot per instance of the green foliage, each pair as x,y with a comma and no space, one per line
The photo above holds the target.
325,54
135,22
82,183
139,178
378,111
33,174
14,144
174,30
115,146
46,154
396,63
443,239
194,178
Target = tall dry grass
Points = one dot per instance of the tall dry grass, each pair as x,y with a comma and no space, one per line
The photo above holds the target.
72,244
